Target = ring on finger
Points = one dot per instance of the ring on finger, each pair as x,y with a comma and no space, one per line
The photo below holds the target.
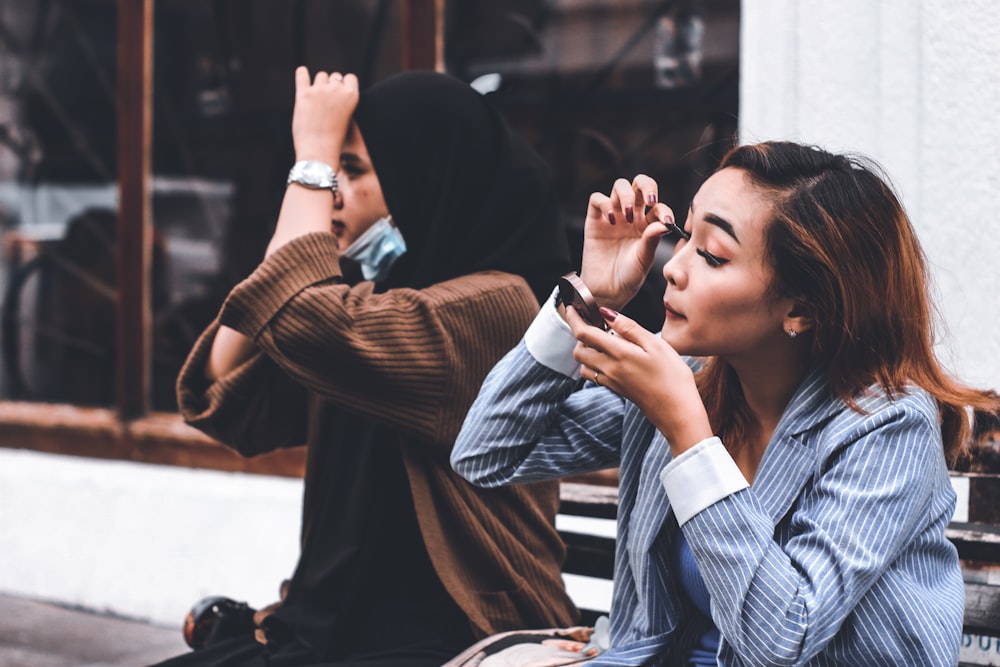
597,378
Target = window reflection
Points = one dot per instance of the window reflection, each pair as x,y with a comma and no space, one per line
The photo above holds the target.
57,200
603,88
223,92
609,89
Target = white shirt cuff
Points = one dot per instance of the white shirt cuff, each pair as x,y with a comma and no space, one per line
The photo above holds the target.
701,477
550,340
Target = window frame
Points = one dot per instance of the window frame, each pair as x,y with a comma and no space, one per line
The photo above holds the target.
129,430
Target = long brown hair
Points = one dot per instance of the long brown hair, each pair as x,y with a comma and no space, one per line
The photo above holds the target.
842,246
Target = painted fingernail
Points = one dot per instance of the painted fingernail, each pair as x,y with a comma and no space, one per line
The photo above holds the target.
608,314
651,198
611,218
629,213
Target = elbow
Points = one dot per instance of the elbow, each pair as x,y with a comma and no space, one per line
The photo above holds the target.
461,464
464,461
474,466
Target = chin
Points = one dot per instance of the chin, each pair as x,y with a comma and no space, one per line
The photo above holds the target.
673,341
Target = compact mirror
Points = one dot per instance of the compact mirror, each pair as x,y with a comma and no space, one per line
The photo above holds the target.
572,292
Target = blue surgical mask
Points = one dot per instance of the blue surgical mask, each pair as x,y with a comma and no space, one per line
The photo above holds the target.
377,249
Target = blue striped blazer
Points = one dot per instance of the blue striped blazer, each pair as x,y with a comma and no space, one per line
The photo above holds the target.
835,555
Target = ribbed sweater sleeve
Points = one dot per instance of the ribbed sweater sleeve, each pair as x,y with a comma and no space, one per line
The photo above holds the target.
410,358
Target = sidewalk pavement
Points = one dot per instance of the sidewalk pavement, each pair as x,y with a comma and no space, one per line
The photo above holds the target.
38,634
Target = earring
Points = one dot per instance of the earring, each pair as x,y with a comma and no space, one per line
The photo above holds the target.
792,333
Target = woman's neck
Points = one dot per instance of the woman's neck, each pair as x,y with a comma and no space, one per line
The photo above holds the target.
768,387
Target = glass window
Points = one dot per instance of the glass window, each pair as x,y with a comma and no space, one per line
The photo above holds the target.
603,88
57,200
222,101
608,89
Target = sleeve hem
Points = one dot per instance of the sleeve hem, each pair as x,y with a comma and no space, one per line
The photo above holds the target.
701,477
551,342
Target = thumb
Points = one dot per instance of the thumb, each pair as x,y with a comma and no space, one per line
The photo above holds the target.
649,243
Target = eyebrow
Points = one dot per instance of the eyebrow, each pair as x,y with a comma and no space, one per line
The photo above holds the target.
721,223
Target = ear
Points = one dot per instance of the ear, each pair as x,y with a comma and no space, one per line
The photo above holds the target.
798,320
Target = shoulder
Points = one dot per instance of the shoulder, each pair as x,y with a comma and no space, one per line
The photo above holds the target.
913,407
906,423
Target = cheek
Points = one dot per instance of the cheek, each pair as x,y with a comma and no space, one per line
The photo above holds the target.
734,310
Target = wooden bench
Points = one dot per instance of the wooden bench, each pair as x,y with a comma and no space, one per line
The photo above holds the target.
592,555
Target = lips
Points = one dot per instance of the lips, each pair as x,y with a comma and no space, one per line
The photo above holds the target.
671,312
338,227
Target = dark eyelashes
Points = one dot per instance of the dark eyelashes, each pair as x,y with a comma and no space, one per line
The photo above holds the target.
711,259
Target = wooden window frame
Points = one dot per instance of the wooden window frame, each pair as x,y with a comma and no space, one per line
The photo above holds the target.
129,431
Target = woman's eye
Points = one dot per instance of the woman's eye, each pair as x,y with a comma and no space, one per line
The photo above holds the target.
712,259
350,169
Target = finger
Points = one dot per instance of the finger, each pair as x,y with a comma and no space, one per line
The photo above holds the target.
351,80
600,207
623,199
583,331
301,78
575,321
659,223
321,79
660,212
646,189
626,328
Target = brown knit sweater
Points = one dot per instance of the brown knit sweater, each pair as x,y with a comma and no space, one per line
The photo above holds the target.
412,359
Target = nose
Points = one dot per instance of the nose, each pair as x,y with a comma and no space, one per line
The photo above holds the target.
672,269
338,199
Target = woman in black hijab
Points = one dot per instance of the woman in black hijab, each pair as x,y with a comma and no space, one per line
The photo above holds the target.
449,225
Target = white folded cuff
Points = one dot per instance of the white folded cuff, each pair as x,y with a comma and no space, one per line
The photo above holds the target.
701,477
550,340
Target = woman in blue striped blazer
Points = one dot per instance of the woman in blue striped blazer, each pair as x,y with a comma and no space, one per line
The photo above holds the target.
782,444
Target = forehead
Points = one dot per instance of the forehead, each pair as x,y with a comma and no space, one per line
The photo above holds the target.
355,143
731,195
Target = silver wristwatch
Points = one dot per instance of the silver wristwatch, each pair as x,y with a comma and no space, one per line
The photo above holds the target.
313,174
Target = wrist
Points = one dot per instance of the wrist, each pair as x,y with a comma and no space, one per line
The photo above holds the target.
313,174
686,434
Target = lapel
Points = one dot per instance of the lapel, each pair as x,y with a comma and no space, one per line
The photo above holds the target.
643,510
652,509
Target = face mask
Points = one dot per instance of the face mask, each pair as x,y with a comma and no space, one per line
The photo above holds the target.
377,249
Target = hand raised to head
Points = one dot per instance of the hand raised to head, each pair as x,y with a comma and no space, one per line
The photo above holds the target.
621,234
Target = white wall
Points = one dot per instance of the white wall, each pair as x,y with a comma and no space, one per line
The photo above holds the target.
914,84
139,540
148,541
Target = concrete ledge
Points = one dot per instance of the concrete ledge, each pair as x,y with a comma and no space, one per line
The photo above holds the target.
142,541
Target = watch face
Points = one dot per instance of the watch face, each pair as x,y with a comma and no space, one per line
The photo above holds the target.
312,174
315,172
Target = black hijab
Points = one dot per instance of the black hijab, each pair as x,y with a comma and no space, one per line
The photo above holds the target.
468,195
466,192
